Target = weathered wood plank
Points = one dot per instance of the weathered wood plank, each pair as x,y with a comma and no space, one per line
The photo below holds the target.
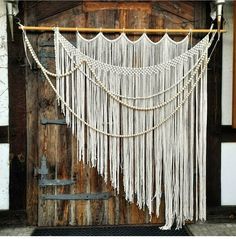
32,128
49,8
74,172
182,10
47,135
109,6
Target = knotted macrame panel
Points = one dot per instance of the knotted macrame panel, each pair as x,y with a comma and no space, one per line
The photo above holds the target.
143,110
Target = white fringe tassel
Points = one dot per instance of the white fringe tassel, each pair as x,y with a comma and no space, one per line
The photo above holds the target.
168,162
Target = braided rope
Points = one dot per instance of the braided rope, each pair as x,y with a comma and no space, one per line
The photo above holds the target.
46,73
148,69
146,108
112,94
34,55
100,84
126,135
126,69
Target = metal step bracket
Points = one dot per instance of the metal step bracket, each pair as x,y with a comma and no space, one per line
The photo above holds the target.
79,196
55,182
43,172
44,121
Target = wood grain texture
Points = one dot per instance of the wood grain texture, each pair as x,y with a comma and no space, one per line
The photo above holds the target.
234,68
61,146
213,163
54,8
31,79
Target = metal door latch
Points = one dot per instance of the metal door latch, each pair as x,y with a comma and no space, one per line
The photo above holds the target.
79,196
55,182
43,171
50,121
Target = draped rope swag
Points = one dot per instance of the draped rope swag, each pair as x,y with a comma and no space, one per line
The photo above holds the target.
142,108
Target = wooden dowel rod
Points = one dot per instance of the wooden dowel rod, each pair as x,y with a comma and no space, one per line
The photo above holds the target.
112,30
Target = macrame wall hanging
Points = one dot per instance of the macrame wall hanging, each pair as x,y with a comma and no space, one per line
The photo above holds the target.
142,107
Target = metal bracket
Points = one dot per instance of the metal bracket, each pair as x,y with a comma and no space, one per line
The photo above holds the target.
56,121
80,196
55,182
43,171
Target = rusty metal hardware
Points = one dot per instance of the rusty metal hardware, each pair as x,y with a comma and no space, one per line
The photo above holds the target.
55,121
43,172
55,182
80,196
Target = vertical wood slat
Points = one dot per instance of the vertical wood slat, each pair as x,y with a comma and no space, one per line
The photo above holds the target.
234,67
32,126
45,135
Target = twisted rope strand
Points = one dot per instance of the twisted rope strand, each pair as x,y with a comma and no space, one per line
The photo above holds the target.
126,135
110,93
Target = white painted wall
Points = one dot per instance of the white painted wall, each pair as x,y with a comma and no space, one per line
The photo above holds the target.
227,60
4,176
228,150
228,174
4,120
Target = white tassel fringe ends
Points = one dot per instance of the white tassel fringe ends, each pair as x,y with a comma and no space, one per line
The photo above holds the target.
142,108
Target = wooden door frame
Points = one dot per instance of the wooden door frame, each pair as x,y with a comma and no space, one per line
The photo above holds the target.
225,134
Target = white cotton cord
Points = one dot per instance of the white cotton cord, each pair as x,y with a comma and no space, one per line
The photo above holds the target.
118,100
25,47
143,201
97,86
28,44
100,84
105,89
197,65
148,108
117,135
146,97
165,62
156,94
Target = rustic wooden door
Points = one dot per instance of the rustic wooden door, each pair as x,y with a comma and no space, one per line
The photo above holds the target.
56,141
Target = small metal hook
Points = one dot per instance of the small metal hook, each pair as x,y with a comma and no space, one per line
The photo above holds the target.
191,36
18,21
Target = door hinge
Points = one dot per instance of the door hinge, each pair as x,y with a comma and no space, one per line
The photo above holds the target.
79,196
